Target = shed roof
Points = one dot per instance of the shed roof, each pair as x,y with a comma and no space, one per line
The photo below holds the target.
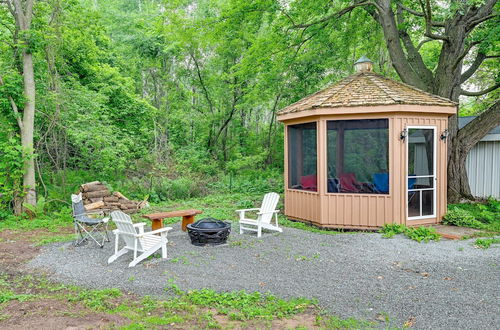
366,89
493,135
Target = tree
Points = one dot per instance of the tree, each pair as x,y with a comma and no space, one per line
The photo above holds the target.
22,12
461,30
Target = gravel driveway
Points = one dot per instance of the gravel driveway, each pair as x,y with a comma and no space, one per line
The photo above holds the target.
445,285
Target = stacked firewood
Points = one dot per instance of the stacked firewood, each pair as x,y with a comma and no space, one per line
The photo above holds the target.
98,198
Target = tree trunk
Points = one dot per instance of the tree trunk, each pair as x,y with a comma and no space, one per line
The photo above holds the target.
466,138
28,127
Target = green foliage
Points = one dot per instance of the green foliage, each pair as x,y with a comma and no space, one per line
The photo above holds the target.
418,234
388,230
7,295
461,217
12,159
244,306
485,243
53,222
38,209
97,299
485,216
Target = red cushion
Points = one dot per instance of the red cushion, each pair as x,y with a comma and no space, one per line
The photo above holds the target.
309,182
348,182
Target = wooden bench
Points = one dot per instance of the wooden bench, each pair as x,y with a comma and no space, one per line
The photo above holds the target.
157,218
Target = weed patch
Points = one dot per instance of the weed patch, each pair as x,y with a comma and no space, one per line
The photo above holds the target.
418,234
485,216
485,243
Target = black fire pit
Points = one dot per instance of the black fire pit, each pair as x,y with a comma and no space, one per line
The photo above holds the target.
208,231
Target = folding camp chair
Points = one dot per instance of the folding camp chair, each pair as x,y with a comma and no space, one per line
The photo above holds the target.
88,228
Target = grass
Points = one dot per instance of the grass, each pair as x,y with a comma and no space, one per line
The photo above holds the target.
191,309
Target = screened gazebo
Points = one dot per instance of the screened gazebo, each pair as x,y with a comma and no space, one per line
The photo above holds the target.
366,151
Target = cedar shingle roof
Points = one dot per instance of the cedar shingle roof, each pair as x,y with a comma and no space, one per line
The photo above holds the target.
366,89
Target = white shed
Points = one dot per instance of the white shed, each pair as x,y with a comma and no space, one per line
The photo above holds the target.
483,163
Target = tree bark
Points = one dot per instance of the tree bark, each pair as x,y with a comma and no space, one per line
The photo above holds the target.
465,140
22,12
28,127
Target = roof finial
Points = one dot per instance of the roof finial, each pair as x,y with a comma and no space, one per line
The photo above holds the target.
364,64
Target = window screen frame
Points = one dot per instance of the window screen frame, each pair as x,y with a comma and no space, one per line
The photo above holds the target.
389,166
288,159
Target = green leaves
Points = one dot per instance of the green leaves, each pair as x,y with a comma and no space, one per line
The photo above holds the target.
12,159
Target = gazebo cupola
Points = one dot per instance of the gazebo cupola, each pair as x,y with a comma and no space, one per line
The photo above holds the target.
366,151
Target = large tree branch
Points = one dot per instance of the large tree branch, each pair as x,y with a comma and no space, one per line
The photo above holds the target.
466,51
427,10
337,14
413,55
420,14
474,131
473,68
398,57
480,14
14,107
475,23
484,91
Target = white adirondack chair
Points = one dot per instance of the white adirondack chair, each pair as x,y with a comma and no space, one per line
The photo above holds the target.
264,216
136,239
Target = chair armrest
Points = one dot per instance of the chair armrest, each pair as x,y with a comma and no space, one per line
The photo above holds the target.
245,210
157,231
139,224
266,212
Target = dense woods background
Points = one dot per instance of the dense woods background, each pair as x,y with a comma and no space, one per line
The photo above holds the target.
173,99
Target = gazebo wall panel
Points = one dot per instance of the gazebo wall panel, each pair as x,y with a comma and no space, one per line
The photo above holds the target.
355,210
302,205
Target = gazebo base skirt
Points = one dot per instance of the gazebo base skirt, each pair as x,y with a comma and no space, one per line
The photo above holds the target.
409,223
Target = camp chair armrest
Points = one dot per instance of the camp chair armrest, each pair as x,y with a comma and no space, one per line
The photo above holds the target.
157,231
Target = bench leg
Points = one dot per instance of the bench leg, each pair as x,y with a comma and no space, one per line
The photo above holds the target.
186,220
156,224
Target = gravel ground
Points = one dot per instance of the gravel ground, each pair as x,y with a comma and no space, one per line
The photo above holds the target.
438,285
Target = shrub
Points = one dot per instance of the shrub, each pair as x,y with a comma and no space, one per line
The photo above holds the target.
460,217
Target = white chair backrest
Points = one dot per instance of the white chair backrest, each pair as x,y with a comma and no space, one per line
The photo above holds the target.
269,203
125,226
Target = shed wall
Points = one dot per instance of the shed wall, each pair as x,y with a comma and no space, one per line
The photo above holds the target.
483,169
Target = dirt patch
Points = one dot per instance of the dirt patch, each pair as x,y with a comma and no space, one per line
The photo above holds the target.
55,314
304,320
19,247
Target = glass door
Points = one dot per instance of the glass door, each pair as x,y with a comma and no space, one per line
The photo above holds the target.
421,183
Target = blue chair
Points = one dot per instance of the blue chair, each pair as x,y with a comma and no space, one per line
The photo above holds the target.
411,182
381,182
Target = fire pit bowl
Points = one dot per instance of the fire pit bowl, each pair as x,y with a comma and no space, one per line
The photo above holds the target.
209,231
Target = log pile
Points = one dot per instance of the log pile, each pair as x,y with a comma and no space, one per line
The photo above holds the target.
98,198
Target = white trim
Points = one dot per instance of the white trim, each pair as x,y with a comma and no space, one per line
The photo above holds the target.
434,161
